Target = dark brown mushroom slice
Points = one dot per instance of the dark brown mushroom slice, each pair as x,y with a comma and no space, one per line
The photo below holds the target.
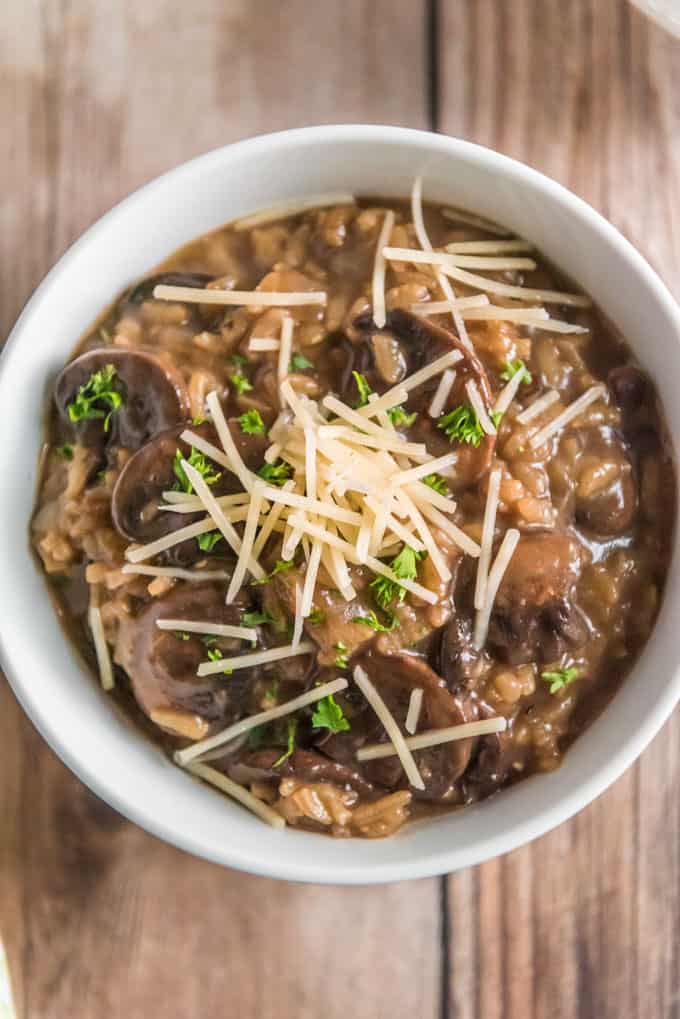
154,396
608,510
395,676
422,342
162,665
143,291
460,661
150,472
304,765
534,617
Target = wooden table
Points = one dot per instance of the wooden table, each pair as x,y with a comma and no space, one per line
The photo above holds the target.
99,918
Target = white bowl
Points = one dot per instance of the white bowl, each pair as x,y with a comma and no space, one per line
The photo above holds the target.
47,674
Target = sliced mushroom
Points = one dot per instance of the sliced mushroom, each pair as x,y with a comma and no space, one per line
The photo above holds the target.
304,765
162,665
460,661
420,342
606,498
154,396
143,291
534,616
137,495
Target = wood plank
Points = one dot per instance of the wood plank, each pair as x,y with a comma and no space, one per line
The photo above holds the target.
98,917
586,922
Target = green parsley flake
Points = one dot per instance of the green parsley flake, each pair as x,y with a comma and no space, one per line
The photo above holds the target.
342,658
363,388
65,452
97,398
256,618
236,359
436,482
496,417
462,425
298,363
276,474
511,369
290,743
240,383
316,617
251,423
214,654
207,541
560,678
400,418
197,460
181,635
257,737
281,566
372,621
209,640
328,715
197,421
405,566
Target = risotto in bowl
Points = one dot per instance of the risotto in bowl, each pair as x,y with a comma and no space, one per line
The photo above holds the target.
358,510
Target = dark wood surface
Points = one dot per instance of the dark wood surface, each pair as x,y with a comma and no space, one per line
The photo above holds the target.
100,919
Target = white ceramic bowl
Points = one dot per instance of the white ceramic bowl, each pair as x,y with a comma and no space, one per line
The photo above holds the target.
46,673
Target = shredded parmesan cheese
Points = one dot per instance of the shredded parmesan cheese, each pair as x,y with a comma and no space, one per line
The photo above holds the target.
435,737
567,415
183,757
501,562
94,618
488,247
175,573
508,393
203,446
275,654
379,314
263,344
478,406
538,406
444,307
251,298
521,293
391,728
245,554
444,388
415,705
442,258
214,629
237,792
142,552
297,625
220,422
488,527
285,348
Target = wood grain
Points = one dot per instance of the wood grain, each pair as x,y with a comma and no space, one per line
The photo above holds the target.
586,922
99,918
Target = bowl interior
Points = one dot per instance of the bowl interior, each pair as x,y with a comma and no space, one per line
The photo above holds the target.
47,674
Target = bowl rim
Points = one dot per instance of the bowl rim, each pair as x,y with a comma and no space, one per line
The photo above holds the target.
288,866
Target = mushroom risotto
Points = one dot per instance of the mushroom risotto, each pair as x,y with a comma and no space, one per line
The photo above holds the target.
358,509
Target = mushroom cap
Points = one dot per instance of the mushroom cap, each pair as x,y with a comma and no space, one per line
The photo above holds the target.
154,396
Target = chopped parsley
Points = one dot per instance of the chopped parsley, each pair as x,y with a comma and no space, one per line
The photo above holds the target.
342,657
197,421
65,451
209,640
207,541
298,363
276,474
281,566
436,482
214,654
272,692
372,621
181,635
462,425
405,566
511,369
400,418
198,461
496,416
290,743
257,737
363,388
316,617
240,383
251,422
256,618
97,398
328,715
235,359
560,678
